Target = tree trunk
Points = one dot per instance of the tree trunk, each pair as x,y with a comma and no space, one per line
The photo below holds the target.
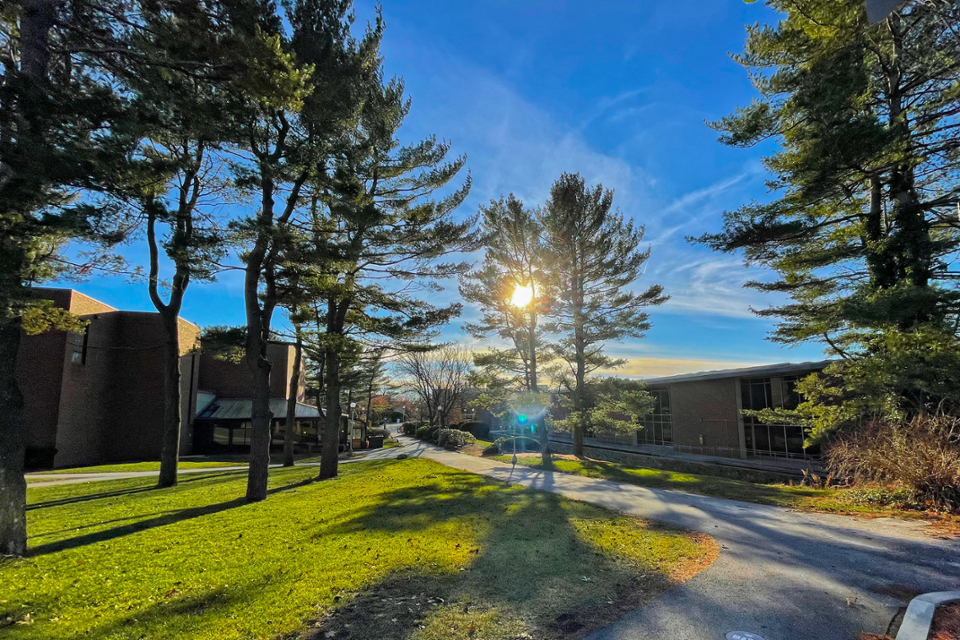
13,488
172,413
580,340
260,433
535,389
331,434
36,22
291,419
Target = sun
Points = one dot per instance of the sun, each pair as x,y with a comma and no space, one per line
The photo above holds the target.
522,295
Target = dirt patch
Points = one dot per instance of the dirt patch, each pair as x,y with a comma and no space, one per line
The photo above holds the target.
946,623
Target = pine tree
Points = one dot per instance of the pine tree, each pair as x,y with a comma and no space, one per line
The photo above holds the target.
514,251
594,259
380,226
289,137
864,226
187,117
63,130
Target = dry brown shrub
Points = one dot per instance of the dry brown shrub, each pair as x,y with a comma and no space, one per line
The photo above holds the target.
922,456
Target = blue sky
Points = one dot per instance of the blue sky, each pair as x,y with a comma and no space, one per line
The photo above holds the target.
618,91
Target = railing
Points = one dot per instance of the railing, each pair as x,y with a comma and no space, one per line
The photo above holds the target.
664,447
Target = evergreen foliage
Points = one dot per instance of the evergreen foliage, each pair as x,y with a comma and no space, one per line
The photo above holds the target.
595,259
864,225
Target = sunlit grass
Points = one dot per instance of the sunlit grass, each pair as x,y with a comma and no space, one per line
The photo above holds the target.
121,559
797,497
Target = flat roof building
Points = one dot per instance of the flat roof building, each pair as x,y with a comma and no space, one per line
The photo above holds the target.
97,396
702,412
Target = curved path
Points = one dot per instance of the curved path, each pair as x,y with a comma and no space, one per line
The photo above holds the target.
781,574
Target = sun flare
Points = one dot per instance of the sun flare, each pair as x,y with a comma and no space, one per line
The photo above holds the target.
522,295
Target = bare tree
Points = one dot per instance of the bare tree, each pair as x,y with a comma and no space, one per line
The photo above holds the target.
438,378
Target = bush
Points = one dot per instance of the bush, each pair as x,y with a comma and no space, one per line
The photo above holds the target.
379,432
428,432
921,457
881,497
454,438
480,430
409,428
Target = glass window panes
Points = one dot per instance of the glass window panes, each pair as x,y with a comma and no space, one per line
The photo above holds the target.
761,438
657,425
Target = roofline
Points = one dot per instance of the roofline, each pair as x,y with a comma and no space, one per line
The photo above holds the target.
782,368
89,297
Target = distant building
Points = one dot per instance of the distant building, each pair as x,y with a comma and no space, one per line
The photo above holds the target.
701,412
97,396
224,414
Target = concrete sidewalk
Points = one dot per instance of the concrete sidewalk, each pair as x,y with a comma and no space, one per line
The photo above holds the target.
782,575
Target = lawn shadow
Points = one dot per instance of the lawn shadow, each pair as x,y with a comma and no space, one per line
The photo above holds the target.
123,492
167,518
531,566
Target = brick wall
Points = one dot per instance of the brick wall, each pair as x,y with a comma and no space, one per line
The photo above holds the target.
707,408
234,379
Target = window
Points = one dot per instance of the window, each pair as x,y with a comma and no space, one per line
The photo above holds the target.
791,397
761,438
79,343
657,425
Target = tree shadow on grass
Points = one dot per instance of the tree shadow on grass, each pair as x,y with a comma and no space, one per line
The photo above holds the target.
700,484
125,492
531,566
167,518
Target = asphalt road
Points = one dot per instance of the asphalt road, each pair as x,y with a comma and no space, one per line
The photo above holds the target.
782,575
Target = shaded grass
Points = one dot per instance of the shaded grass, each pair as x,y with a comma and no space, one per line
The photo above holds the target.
124,560
797,497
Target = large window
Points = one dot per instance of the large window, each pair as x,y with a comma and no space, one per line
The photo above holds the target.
657,425
771,439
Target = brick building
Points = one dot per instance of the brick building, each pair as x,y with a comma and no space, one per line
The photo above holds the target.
97,396
702,412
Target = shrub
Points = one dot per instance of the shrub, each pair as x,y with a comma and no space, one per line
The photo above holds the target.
454,438
492,450
921,456
881,497
428,432
480,430
409,428
378,432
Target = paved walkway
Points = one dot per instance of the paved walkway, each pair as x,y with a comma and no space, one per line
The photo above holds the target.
782,575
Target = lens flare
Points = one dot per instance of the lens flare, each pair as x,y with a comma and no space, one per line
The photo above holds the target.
522,295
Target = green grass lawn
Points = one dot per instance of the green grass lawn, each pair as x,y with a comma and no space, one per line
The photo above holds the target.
388,550
797,497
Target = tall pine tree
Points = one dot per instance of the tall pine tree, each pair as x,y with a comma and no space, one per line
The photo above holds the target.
513,256
864,226
594,259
